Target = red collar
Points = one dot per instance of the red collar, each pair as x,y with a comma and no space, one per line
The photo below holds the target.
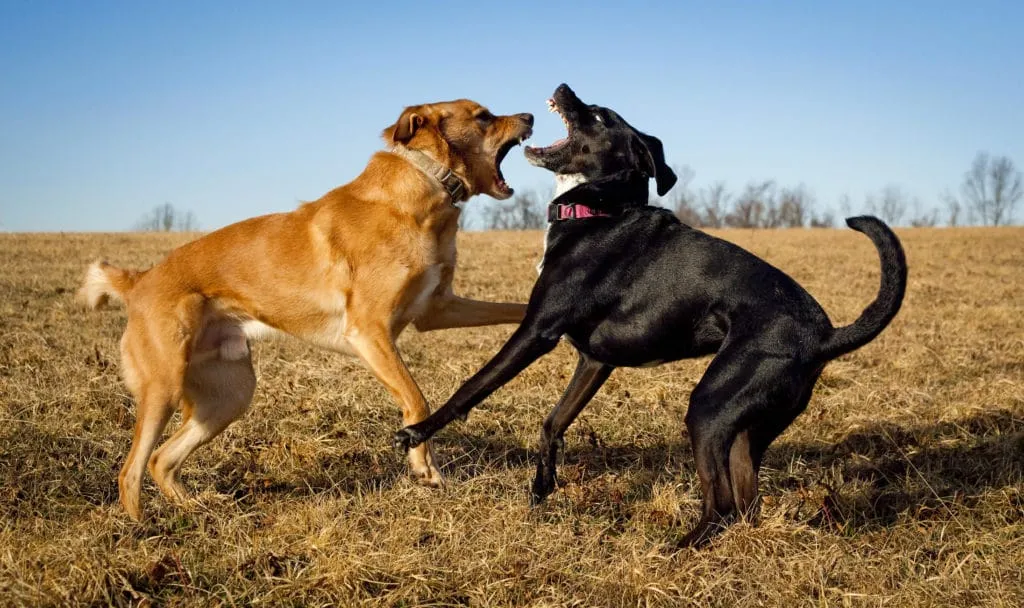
572,211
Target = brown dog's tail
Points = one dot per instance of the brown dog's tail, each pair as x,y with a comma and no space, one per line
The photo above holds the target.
879,313
103,281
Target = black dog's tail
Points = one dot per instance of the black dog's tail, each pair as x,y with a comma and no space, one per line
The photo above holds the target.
879,313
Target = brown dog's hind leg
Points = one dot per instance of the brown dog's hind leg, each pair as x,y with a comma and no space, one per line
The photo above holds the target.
217,392
154,409
153,373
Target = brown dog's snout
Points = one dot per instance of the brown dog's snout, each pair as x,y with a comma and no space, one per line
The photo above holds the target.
527,118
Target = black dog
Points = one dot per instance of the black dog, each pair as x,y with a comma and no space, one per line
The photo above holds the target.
629,285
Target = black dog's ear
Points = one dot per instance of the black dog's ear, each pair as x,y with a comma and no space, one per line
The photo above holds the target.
652,156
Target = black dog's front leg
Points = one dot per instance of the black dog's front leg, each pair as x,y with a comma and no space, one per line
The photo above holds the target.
525,346
586,380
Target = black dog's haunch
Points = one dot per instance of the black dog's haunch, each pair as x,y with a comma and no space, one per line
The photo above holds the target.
629,285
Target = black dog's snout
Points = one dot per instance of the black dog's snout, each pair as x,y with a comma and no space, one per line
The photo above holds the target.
565,97
527,118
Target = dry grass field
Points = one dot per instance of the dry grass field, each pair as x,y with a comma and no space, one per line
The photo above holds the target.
902,484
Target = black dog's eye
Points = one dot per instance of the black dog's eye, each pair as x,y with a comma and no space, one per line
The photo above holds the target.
485,118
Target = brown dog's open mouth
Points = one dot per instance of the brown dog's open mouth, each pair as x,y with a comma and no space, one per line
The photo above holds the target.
499,180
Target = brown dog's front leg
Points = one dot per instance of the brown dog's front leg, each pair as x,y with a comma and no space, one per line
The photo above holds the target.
453,311
375,345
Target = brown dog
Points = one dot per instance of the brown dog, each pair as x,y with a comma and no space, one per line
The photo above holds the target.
347,272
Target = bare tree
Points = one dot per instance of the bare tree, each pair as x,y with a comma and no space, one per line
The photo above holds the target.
523,211
751,207
683,200
926,220
714,205
795,206
166,218
827,219
890,204
953,209
923,219
772,217
845,205
687,213
992,188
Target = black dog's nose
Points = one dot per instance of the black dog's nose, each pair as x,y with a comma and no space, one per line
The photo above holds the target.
527,118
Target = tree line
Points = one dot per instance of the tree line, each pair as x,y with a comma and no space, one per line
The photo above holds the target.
989,193
167,218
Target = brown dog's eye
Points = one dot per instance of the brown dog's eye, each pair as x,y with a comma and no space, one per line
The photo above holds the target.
485,118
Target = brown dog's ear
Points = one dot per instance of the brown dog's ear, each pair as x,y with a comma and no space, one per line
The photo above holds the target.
405,127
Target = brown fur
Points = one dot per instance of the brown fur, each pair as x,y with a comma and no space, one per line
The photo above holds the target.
347,272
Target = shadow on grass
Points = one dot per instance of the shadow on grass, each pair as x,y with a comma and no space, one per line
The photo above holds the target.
328,474
867,480
921,471
52,475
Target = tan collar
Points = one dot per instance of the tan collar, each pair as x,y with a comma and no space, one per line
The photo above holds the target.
451,183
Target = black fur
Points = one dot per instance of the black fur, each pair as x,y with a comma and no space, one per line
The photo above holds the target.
640,288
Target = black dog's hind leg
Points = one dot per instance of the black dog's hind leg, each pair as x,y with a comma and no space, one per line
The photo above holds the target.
586,381
526,345
740,390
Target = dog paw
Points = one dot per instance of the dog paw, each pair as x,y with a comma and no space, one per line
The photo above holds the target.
431,478
701,534
542,488
408,438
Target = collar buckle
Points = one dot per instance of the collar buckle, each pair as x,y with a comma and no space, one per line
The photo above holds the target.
453,185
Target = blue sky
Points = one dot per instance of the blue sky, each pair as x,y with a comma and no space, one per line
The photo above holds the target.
234,109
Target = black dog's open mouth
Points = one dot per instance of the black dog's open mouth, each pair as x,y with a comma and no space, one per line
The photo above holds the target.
561,143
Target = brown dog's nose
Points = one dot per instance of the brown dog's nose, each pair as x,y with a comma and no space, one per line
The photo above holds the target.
527,118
